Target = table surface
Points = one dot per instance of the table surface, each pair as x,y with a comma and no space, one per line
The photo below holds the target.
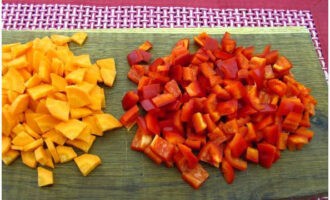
319,8
126,174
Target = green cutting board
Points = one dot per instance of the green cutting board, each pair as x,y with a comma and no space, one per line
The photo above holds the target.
127,174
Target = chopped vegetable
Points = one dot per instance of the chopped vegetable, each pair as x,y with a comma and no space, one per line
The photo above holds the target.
223,105
87,163
51,102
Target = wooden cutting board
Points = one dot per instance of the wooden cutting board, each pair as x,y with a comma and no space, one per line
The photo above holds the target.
126,174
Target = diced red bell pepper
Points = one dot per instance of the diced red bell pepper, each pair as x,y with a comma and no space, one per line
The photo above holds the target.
194,89
282,141
251,133
227,107
235,89
152,155
288,105
258,75
248,52
183,59
130,99
242,61
230,127
183,43
252,154
163,99
172,87
291,121
209,122
147,105
195,177
238,145
144,81
266,154
173,137
152,123
212,154
297,139
227,43
264,122
269,74
271,134
193,144
136,72
145,46
277,86
228,68
141,140
258,62
198,122
150,91
228,171
137,56
237,163
303,131
191,159
271,57
282,65
189,73
162,148
187,111
207,69
128,119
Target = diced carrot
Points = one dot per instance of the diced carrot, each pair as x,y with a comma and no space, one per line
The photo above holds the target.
20,104
92,75
44,71
91,121
77,113
60,39
107,122
87,163
55,137
71,128
30,121
59,96
52,150
33,145
22,139
85,135
33,81
49,162
25,74
57,66
31,132
6,56
98,96
108,70
77,97
29,159
65,153
17,129
41,107
17,148
76,76
45,177
9,121
12,95
58,109
13,80
40,91
7,47
79,37
82,61
10,156
82,145
18,50
41,155
46,122
5,144
17,63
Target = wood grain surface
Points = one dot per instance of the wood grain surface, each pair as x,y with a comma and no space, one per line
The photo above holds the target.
126,174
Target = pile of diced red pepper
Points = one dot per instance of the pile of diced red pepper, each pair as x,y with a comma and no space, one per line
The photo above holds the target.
223,105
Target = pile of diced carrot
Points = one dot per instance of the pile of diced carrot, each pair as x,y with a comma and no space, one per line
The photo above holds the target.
51,102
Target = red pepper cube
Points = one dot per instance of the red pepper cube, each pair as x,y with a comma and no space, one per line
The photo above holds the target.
258,62
191,159
198,122
141,140
173,88
266,154
230,127
252,154
258,75
251,133
187,110
163,99
211,153
271,57
271,134
238,145
207,69
128,119
183,59
162,148
147,105
291,121
235,162
277,86
183,43
235,89
150,91
282,65
227,171
282,141
269,74
242,61
153,156
228,68
228,44
211,44
129,100
134,57
173,137
297,139
227,107
291,104
303,131
190,73
152,123
135,73
196,176
144,80
145,46
209,122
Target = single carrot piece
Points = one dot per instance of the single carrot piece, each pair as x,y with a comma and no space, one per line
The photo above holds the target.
29,159
10,156
71,128
79,37
58,109
65,153
52,150
87,163
45,177
5,144
107,122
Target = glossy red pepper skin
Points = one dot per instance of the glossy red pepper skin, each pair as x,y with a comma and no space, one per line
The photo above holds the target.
130,116
228,171
162,148
196,176
238,145
130,99
266,154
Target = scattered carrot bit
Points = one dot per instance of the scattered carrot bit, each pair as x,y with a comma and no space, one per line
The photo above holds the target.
87,163
45,177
